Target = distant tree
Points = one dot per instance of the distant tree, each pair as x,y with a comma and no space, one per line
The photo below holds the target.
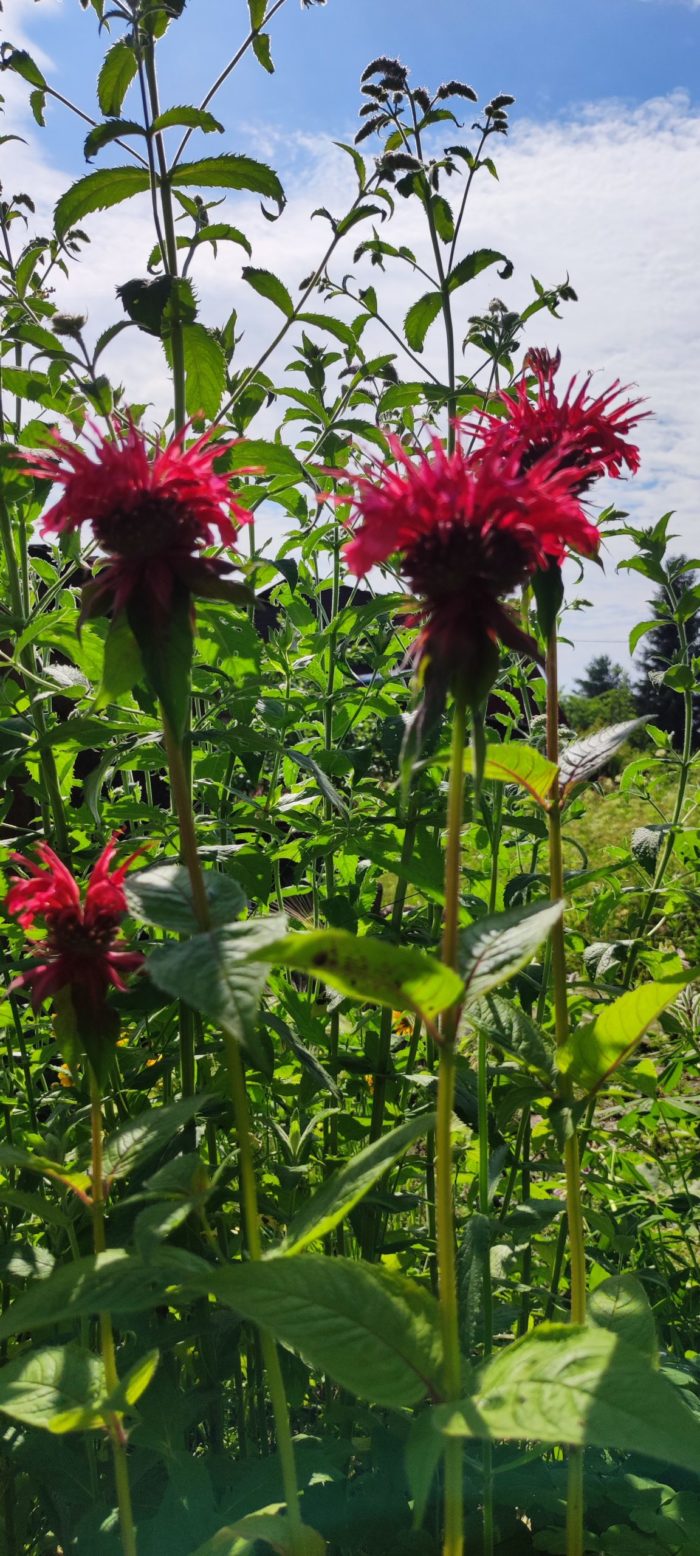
661,648
600,675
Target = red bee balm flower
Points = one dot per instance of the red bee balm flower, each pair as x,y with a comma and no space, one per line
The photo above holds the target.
589,434
470,529
151,514
81,949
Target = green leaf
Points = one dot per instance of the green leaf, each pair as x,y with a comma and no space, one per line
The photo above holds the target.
151,302
96,192
58,1388
594,1051
640,631
419,318
222,974
261,50
134,1383
443,218
205,371
345,1188
162,895
363,968
622,1305
584,758
118,70
268,285
166,651
257,10
229,172
23,65
373,1331
146,1133
191,118
269,1527
580,1385
104,134
496,947
506,1025
515,763
116,1281
328,790
473,264
266,457
123,667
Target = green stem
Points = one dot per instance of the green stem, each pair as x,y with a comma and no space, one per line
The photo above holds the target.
447,1273
170,236
114,1421
574,1512
249,1196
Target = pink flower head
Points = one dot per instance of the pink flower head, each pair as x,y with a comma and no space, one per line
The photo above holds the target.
81,949
589,433
152,513
469,529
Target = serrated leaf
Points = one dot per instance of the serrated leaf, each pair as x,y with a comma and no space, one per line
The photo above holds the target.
621,1304
496,947
268,285
346,1187
222,974
205,371
580,1385
515,763
375,1332
191,118
419,318
116,74
229,171
584,758
262,52
594,1051
473,264
646,844
97,192
58,1388
103,134
270,458
365,968
162,895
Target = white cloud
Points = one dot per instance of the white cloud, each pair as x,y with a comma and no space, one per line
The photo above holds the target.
603,194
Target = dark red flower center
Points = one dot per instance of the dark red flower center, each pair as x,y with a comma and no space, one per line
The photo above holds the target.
69,935
469,562
148,526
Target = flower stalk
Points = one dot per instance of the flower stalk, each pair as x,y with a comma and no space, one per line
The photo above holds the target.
114,1421
574,1510
239,1099
447,1270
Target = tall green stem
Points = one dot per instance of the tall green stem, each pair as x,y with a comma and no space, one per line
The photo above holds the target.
116,1429
447,1271
574,1507
249,1195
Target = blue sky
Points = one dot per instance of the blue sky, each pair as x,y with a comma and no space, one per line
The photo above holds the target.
551,54
598,178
